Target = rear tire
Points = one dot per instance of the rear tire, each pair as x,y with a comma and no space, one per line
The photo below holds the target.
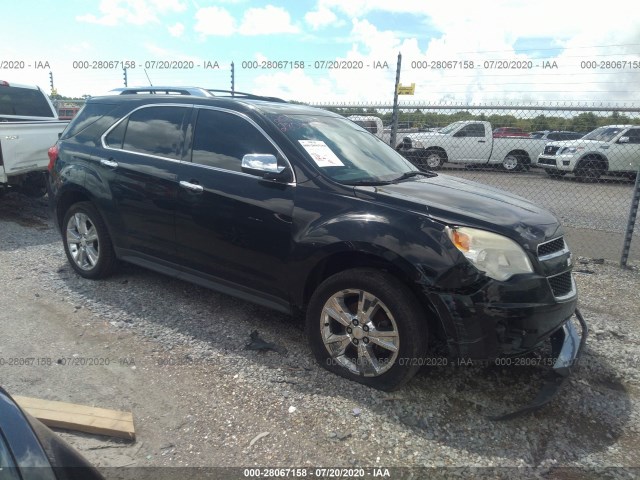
367,326
87,242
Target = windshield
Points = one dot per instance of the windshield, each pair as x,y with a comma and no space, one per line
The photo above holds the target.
603,134
342,150
450,128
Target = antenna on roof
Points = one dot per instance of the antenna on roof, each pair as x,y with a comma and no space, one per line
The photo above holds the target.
145,72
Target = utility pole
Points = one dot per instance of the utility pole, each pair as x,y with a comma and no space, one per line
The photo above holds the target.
233,79
394,117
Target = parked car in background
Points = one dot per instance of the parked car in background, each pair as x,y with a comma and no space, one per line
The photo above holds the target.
29,450
612,149
29,125
469,142
509,132
373,125
303,211
67,112
370,123
555,135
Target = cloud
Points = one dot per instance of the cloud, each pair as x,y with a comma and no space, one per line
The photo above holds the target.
256,21
214,21
321,18
176,30
266,21
135,12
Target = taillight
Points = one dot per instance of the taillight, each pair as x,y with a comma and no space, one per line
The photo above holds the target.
53,155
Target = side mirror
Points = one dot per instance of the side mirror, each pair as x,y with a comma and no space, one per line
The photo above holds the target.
623,140
265,165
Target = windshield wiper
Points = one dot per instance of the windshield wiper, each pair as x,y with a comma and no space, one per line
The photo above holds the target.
413,173
369,183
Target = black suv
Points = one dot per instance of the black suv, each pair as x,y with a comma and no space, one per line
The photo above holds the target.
303,211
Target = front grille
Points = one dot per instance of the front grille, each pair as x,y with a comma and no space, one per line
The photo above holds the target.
561,285
550,150
547,161
551,247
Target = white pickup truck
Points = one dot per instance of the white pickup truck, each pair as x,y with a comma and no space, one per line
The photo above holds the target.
466,142
613,149
29,125
374,125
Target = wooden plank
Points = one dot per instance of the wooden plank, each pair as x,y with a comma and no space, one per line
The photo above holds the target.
100,421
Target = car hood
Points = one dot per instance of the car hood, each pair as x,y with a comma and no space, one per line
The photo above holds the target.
455,201
578,143
423,135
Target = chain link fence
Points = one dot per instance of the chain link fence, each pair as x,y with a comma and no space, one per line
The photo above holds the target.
581,162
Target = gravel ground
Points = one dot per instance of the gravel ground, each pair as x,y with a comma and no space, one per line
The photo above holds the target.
200,399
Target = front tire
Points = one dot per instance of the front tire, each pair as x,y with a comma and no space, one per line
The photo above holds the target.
512,163
365,325
589,170
87,242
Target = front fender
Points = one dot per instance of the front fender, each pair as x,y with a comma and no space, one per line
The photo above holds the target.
414,245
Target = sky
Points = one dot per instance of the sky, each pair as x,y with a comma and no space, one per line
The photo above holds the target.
578,53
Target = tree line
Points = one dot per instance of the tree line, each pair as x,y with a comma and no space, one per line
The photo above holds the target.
580,122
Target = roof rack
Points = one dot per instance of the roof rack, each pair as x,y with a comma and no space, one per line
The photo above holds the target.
250,96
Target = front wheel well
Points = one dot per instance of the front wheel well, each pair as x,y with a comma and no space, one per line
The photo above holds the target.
439,150
342,261
594,157
522,155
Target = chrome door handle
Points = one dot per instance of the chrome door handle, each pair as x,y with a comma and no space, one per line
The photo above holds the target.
191,186
108,163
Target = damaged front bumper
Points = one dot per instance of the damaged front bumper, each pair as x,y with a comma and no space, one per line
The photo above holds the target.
567,345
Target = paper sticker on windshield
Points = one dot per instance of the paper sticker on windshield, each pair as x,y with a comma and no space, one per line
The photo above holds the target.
321,153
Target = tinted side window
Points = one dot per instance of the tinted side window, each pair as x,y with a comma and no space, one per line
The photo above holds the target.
634,135
221,140
89,114
24,101
555,136
116,136
156,131
473,130
7,464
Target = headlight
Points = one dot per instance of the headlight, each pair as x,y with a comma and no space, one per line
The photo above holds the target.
497,256
570,150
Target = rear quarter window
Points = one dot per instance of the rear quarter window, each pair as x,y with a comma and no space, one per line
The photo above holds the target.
87,116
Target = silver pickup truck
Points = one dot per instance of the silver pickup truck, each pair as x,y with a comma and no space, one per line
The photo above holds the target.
29,125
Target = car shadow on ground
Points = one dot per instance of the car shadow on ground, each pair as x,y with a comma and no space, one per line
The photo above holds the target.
448,404
26,212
